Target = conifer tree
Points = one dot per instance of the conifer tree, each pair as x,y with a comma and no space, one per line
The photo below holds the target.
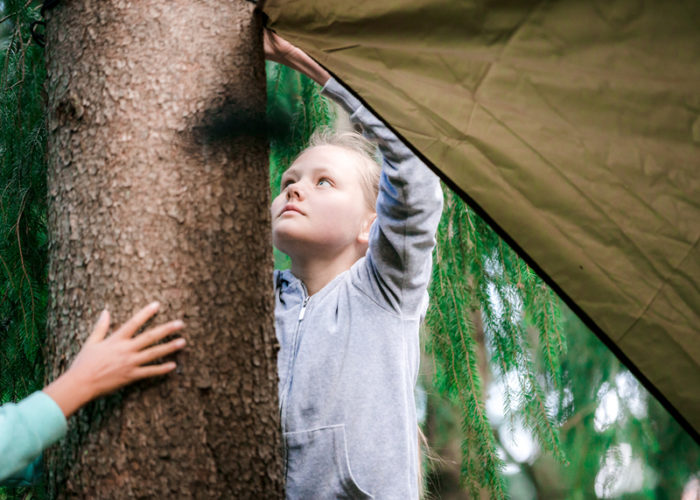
158,189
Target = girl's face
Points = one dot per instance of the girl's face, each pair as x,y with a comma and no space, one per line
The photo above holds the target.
321,209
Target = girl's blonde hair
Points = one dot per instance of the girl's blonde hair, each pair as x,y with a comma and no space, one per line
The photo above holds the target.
369,166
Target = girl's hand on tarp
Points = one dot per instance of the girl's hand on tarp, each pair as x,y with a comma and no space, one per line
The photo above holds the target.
105,364
279,50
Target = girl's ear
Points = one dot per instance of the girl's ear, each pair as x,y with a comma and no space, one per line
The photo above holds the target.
363,237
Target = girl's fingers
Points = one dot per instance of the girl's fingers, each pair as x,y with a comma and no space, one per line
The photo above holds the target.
155,334
159,351
100,329
153,370
128,329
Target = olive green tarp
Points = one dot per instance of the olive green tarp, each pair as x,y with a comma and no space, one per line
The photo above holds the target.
573,126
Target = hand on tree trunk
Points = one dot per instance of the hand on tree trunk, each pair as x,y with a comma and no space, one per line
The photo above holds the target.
106,364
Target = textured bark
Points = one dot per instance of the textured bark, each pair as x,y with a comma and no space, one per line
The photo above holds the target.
158,190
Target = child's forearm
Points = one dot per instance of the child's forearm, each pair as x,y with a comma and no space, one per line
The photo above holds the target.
301,62
26,428
280,50
69,394
408,212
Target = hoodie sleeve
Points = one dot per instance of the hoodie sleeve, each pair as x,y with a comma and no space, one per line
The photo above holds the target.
26,428
397,268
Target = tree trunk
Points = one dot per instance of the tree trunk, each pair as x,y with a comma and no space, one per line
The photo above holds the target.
158,190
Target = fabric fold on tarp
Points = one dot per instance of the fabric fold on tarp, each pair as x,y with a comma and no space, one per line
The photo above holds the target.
574,127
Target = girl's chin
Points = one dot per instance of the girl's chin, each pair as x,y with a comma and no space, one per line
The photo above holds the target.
295,245
287,242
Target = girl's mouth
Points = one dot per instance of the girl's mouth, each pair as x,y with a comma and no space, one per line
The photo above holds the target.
290,208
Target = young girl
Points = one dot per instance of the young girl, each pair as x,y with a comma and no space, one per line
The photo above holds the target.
102,366
347,313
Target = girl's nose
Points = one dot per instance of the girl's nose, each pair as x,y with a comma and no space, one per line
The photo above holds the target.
294,191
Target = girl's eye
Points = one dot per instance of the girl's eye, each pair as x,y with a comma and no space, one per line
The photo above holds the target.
287,182
324,182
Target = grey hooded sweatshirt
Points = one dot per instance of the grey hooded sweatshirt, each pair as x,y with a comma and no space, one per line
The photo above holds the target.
349,354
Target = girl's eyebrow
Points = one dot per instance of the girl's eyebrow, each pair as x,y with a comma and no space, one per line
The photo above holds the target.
315,170
287,174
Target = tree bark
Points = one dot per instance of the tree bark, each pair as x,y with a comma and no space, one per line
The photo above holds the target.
158,190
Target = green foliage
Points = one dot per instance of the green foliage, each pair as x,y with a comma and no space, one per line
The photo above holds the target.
476,274
23,237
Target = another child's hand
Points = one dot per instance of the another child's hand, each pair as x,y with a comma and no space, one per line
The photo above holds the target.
105,364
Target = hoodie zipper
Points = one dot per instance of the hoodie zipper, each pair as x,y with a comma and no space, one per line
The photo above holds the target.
303,310
294,356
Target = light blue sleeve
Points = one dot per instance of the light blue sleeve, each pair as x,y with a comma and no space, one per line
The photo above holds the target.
26,429
398,264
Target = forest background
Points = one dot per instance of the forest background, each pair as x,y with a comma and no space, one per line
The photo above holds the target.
517,397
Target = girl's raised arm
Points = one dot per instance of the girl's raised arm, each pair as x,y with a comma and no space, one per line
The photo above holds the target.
410,200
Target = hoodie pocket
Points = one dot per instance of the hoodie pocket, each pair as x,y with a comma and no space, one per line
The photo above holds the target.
318,466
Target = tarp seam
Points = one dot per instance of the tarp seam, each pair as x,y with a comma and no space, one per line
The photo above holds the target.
658,291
